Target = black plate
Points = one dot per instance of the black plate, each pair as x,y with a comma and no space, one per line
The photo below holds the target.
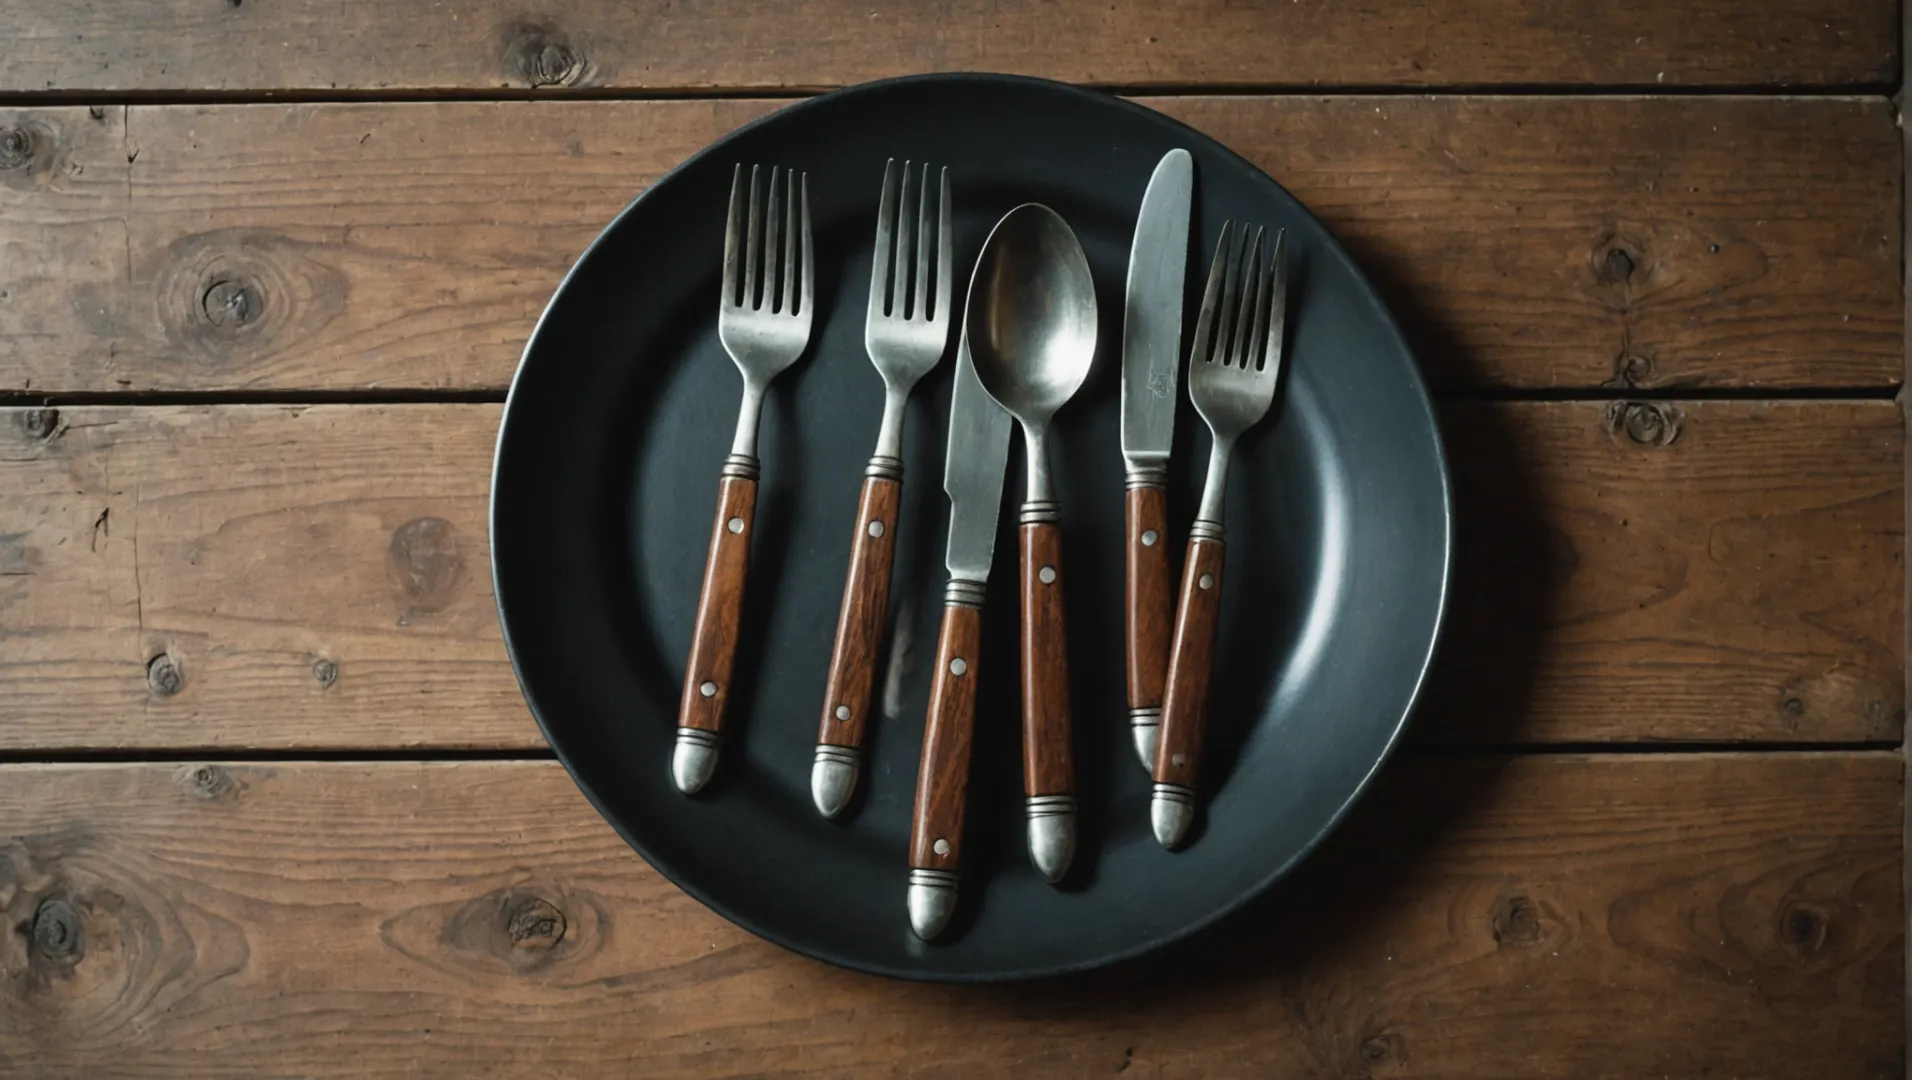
606,476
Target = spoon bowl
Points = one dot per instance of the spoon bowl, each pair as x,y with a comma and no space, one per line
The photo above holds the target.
1032,317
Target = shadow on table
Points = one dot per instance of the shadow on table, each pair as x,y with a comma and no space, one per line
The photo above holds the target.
1509,566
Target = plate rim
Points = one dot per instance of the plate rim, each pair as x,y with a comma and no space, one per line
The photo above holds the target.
1417,385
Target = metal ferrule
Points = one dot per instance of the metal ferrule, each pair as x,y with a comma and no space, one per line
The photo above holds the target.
693,759
1048,805
932,900
741,466
1041,512
960,593
833,777
936,879
1145,727
1178,793
1172,814
1206,530
884,467
1146,476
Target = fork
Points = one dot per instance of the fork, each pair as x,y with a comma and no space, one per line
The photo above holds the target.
906,335
1233,369
763,320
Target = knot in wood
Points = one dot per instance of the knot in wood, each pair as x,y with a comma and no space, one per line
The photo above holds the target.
231,304
424,560
208,782
1794,707
1648,423
40,423
56,930
16,148
534,923
325,671
1378,1050
1517,921
1617,259
541,55
1619,264
1802,927
164,675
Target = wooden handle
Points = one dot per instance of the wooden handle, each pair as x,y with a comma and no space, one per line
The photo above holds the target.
1147,612
942,777
1048,764
1185,706
866,598
719,607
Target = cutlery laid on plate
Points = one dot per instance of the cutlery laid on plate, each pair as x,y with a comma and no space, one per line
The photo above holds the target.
906,333
1031,325
973,479
1233,369
1151,355
763,320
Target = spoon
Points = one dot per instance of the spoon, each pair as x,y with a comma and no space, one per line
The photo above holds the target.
1031,324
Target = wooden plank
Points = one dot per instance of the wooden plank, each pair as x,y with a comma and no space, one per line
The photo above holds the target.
1720,915
1525,242
1684,571
656,45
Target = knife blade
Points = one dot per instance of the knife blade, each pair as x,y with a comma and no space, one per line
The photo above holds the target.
973,478
1151,359
973,472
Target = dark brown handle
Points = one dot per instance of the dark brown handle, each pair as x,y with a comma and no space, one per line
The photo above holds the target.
1147,611
1185,706
942,777
866,598
1048,764
713,645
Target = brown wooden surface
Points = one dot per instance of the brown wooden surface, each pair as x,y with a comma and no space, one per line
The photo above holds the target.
1198,607
713,645
866,602
1524,241
1048,749
1146,611
1529,918
1606,588
942,774
403,45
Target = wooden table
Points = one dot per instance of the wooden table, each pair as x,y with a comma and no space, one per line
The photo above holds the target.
271,802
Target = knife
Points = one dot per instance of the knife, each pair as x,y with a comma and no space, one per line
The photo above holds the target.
973,479
1151,357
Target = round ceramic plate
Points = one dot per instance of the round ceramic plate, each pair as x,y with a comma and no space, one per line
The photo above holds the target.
606,479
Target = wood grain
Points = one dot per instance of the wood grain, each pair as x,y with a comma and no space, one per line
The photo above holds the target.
1694,915
720,603
411,45
866,602
1523,241
1606,588
1048,751
1198,606
942,775
1147,625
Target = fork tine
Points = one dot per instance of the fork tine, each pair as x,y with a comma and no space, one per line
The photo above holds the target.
789,241
920,310
1241,351
1211,297
944,259
1257,355
905,239
809,256
1231,295
1278,307
733,236
752,244
885,227
771,206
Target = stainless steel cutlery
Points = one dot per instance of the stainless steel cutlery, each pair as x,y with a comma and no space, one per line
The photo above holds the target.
1151,359
763,319
1233,369
906,334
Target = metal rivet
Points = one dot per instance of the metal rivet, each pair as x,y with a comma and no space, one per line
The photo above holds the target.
1046,575
958,666
709,689
1149,538
1207,581
735,525
1179,759
876,528
842,712
940,847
